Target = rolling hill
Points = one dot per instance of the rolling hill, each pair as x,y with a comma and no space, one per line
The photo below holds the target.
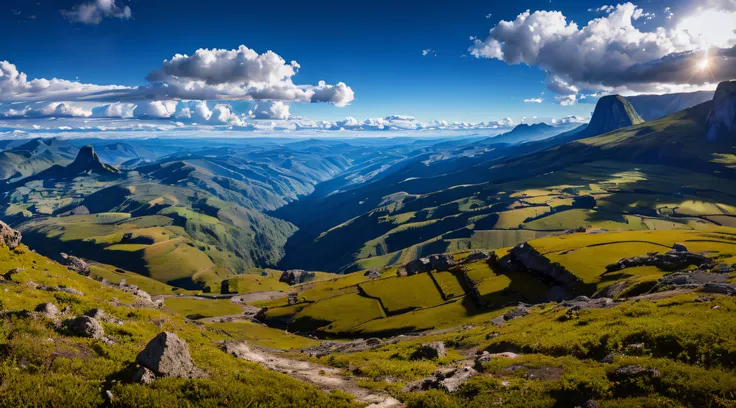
662,174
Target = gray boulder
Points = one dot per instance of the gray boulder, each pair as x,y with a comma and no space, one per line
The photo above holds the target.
430,351
447,379
47,309
373,273
296,276
9,236
168,356
97,314
85,326
75,264
143,376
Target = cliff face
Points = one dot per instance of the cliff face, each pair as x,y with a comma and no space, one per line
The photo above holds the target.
612,112
722,117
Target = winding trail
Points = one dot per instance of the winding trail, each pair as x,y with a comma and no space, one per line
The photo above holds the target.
323,377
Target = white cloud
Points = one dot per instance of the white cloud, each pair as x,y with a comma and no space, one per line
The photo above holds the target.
566,100
211,74
271,110
155,109
15,86
53,109
240,74
429,51
534,100
93,12
114,110
609,53
572,119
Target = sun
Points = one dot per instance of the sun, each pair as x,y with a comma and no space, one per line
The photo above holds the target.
703,65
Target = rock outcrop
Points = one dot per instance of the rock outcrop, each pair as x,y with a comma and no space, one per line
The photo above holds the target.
9,236
438,262
722,116
477,255
47,309
168,356
611,112
373,273
85,326
354,346
296,276
528,258
75,264
430,351
515,313
671,261
447,379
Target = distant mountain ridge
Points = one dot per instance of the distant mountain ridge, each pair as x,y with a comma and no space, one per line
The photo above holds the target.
34,156
524,133
651,107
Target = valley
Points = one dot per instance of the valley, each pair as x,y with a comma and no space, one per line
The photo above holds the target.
541,267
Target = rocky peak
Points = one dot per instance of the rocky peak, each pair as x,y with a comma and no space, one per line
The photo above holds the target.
88,161
612,112
722,117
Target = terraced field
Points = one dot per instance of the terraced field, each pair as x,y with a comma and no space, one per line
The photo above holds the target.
353,305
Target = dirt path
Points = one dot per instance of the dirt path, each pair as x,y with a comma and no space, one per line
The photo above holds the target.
323,377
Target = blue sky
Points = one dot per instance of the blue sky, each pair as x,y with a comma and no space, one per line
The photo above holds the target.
375,47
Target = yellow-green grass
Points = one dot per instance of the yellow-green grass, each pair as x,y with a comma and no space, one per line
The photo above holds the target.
449,283
477,271
44,366
190,215
589,263
641,279
665,239
148,221
514,218
492,239
202,308
175,259
725,220
254,282
404,293
115,275
492,289
210,279
243,330
452,314
338,314
587,218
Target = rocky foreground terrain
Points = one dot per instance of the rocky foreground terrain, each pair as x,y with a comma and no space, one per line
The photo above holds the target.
70,337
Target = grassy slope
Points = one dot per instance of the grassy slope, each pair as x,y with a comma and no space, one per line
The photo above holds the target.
413,303
43,366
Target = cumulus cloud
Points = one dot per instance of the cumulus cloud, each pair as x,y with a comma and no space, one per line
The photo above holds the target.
53,109
610,54
534,100
155,109
211,74
95,11
15,86
429,51
208,74
271,110
114,110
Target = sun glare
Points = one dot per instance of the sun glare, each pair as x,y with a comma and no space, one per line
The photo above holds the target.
712,27
703,65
